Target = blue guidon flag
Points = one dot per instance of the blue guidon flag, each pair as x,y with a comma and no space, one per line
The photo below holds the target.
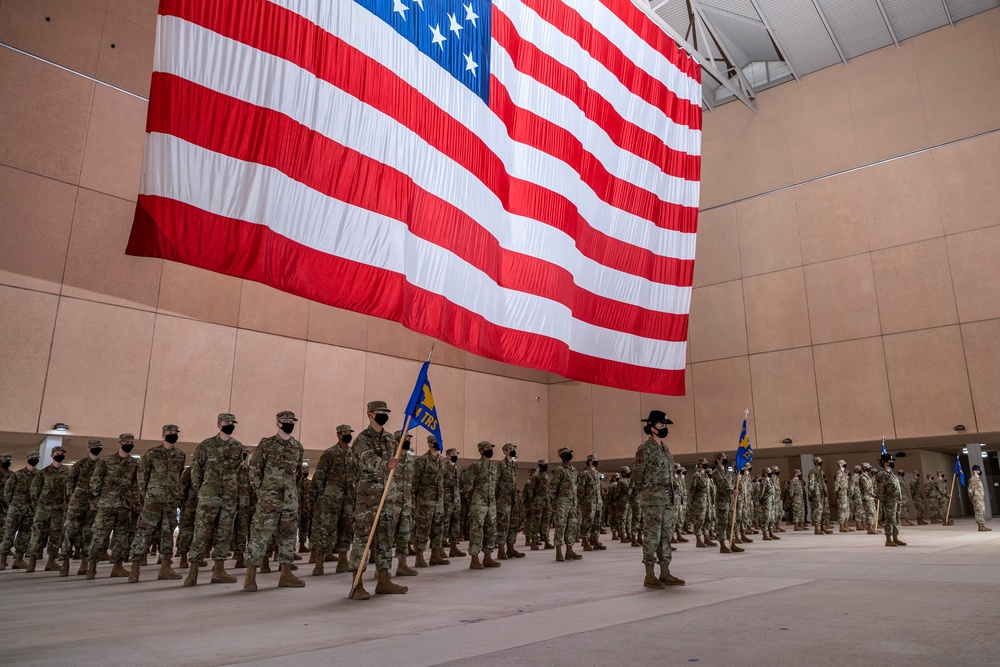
958,469
421,409
744,453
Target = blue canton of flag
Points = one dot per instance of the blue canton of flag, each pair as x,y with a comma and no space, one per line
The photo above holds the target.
744,453
453,33
420,408
959,471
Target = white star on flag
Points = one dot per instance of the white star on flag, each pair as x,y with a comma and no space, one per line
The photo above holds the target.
438,38
455,26
470,64
399,8
420,3
469,14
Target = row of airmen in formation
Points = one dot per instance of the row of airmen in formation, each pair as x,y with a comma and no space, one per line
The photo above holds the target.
253,507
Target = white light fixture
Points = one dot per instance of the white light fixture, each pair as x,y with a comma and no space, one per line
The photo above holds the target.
985,455
965,450
60,427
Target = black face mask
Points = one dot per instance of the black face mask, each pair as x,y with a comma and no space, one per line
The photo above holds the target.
228,429
892,464
453,459
661,432
725,462
346,439
5,464
626,475
96,450
488,453
127,448
59,458
543,468
513,453
287,428
381,419
566,457
594,463
170,438
32,462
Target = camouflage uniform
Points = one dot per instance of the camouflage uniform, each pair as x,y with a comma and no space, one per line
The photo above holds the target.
745,506
766,502
113,484
589,502
214,475
655,490
562,500
49,492
919,497
941,493
306,505
20,512
538,513
374,450
81,508
429,474
274,471
890,496
904,507
854,493
978,498
189,509
482,485
404,528
680,513
335,482
840,489
244,512
5,473
159,482
622,509
868,498
452,524
796,493
698,502
507,525
819,497
710,517
723,501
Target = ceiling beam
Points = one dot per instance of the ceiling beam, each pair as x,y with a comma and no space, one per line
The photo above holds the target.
947,12
829,31
888,24
721,43
777,42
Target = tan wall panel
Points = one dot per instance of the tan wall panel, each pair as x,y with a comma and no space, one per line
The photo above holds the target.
199,294
527,420
831,215
391,380
336,326
842,302
268,377
768,124
914,287
715,131
882,76
962,107
901,202
26,330
928,382
516,372
769,233
968,183
37,218
853,391
97,267
762,167
449,397
888,129
776,311
263,308
71,37
485,409
973,257
140,12
112,160
982,353
818,98
190,377
570,408
43,117
97,372
614,420
717,327
784,392
716,179
966,48
718,257
128,64
722,391
824,148
388,337
331,394
683,434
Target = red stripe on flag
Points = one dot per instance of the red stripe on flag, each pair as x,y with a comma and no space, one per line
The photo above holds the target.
163,228
223,125
255,23
642,25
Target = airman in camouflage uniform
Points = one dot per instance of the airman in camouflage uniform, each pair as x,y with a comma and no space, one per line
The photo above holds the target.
777,507
819,498
699,504
274,474
376,451
919,498
589,502
5,462
724,500
842,492
452,524
214,476
904,508
507,525
429,472
20,513
944,495
159,483
978,498
933,500
767,491
81,508
890,495
404,532
680,513
189,509
622,509
854,494
538,521
655,488
796,492
304,486
113,484
244,512
562,500
867,488
336,483
482,484
49,492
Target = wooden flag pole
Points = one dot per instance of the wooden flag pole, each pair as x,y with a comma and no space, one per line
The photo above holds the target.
878,508
736,500
363,563
950,495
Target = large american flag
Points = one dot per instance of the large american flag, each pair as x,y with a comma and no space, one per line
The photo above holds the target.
518,178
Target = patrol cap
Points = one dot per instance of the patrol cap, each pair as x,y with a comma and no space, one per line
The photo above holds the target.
703,462
451,450
59,448
227,417
866,465
624,469
974,468
31,455
375,406
507,447
6,457
345,428
564,450
432,439
543,462
857,468
94,442
842,462
126,437
484,444
720,455
797,471
287,415
900,471
171,427
591,457
818,459
767,470
775,469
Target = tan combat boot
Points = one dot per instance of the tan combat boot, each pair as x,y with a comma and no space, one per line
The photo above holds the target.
667,578
709,542
166,572
559,555
312,556
318,569
635,541
3,561
895,540
586,545
241,560
83,567
287,579
31,564
549,545
735,549
359,592
502,552
192,578
921,522
534,545
723,549
64,567
91,569
455,552
419,561
773,536
133,576
488,560
265,566
818,530
51,565
475,564
982,529
219,574
681,538
572,555
250,579
385,586
342,563
438,557
842,528
767,536
871,530
746,540
184,561
651,580
117,570
512,552
404,570
889,542
699,542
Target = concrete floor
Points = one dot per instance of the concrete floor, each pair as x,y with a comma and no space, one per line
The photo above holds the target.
821,600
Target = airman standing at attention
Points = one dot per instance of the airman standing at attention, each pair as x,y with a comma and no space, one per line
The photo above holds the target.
725,495
654,485
562,500
680,507
943,497
867,488
113,484
622,510
189,508
304,486
766,499
978,497
20,513
482,484
919,498
49,491
589,501
274,474
335,481
854,493
159,481
244,512
404,479
429,473
904,507
933,499
698,506
507,525
5,462
819,500
796,491
538,514
81,508
214,477
453,503
842,492
890,495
